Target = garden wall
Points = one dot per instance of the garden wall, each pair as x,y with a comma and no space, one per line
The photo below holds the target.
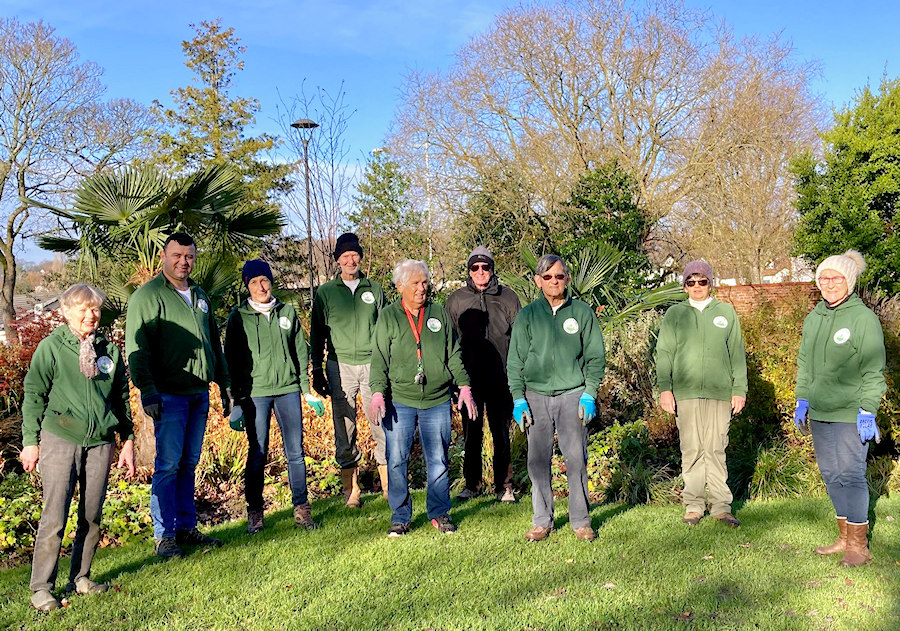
782,296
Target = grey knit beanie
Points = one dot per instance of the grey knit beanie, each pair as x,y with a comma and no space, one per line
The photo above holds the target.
850,265
480,255
698,267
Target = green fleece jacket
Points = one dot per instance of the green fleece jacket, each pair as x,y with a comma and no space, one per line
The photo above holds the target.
61,400
171,347
344,322
554,354
394,358
840,366
267,356
700,354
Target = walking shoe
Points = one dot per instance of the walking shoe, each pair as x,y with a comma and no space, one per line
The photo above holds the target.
84,585
303,517
538,533
466,494
444,525
506,496
166,548
194,537
254,521
585,533
398,530
43,600
691,518
728,519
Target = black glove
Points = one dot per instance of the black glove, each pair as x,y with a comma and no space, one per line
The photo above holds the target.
226,402
153,406
320,384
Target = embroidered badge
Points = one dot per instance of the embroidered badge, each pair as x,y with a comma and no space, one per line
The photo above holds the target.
105,364
284,323
720,321
570,326
367,297
433,324
201,304
841,336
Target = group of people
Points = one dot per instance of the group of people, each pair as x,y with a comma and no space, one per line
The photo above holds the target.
540,365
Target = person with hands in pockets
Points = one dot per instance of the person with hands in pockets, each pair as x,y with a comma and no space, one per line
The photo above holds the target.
415,363
701,372
840,382
555,365
268,362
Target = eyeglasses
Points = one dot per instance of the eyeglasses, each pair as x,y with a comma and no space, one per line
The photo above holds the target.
831,280
479,267
552,276
703,282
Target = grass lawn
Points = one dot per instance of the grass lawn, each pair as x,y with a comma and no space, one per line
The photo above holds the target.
646,570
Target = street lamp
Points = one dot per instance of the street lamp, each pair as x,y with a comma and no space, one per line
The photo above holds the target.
305,123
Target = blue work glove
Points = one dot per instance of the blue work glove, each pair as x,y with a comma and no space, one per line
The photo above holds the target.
521,413
587,408
800,413
867,427
315,403
152,404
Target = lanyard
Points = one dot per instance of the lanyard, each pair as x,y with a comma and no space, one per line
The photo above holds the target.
416,331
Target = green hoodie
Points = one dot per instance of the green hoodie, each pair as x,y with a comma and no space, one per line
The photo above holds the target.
344,321
555,354
840,366
171,347
267,356
61,400
700,354
394,357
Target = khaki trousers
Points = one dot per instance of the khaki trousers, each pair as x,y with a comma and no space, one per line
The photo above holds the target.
703,432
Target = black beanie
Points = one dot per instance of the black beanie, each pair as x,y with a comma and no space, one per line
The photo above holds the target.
347,242
254,268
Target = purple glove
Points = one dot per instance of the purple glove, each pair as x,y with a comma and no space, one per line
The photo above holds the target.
468,401
377,408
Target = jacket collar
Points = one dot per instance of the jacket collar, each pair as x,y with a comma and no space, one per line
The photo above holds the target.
493,287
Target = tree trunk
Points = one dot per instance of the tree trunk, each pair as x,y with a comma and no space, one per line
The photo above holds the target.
7,295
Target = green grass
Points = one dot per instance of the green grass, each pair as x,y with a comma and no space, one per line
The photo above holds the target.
646,570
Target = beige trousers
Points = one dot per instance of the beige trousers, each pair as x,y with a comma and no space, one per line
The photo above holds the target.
703,432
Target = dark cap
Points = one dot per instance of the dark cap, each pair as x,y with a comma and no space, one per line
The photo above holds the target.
254,268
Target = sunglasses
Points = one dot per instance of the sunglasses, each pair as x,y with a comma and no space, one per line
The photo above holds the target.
556,276
478,267
703,282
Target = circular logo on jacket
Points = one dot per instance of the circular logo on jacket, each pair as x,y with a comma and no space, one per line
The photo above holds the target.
570,326
105,364
841,336
720,321
203,306
368,297
433,324
284,323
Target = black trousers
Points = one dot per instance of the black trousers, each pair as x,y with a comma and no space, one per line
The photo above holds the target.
498,407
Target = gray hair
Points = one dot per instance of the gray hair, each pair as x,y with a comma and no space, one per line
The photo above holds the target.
404,270
80,294
547,261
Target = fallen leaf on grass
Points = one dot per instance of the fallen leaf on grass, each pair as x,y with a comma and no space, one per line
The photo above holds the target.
64,602
847,581
370,518
814,612
746,545
813,584
868,608
289,586
683,616
842,603
785,546
560,591
889,518
701,579
116,588
790,613
570,560
708,557
609,586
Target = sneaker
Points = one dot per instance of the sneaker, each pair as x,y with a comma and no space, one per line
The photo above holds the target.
538,533
466,494
194,537
585,533
254,521
84,585
506,496
166,548
398,530
444,525
691,518
303,517
728,519
43,600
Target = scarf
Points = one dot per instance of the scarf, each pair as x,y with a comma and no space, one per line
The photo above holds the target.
264,308
87,355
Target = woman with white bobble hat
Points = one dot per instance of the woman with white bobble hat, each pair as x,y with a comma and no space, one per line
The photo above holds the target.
840,382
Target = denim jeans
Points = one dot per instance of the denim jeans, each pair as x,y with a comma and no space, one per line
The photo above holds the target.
842,462
289,415
179,439
434,433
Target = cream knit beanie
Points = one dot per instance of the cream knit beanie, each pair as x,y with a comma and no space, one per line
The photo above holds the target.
850,265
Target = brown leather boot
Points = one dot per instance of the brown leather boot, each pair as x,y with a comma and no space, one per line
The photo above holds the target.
382,473
350,483
841,544
857,545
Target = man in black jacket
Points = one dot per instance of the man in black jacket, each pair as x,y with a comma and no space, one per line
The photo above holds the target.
482,313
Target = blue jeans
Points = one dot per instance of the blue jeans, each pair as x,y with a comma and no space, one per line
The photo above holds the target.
841,456
179,439
434,433
289,415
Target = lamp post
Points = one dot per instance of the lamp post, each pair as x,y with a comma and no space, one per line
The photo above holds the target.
305,123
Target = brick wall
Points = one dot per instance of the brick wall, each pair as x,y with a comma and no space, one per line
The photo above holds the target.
785,296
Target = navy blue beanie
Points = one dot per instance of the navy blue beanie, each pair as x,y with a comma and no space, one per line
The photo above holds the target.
254,268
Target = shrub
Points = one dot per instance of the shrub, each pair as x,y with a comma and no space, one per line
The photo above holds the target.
784,471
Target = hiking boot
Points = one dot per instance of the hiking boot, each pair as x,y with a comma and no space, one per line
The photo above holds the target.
728,519
350,484
84,585
538,533
466,494
585,533
43,600
857,545
194,537
303,517
254,521
840,545
444,525
166,548
692,518
398,530
506,496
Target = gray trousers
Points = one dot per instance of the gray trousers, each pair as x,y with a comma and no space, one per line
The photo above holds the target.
559,413
63,464
703,433
345,382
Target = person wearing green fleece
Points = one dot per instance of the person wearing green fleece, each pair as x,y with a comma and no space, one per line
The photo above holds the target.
76,401
415,363
701,372
174,352
268,363
555,365
840,382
